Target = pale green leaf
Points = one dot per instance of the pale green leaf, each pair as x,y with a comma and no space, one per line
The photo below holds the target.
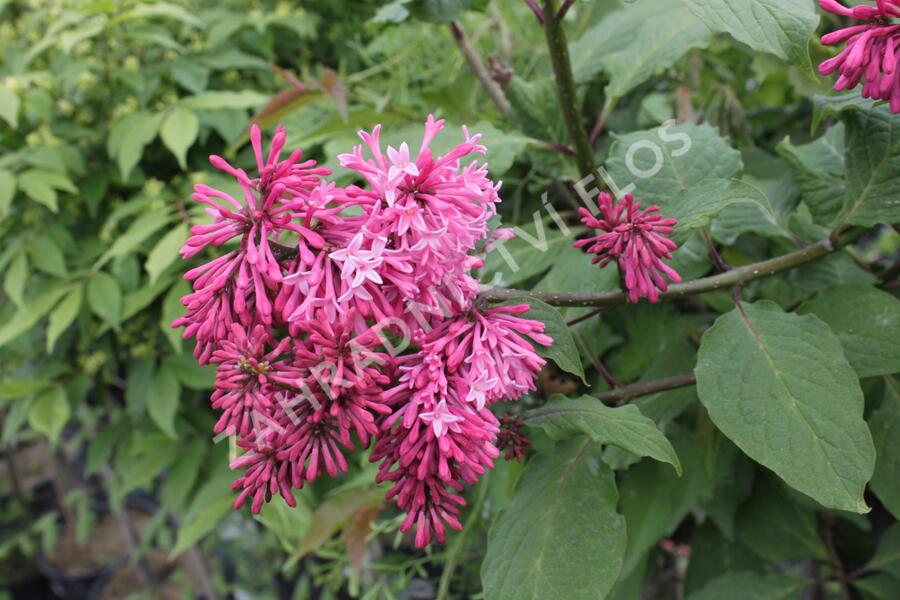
210,505
774,26
560,537
778,385
128,136
9,106
49,412
622,426
46,256
15,278
104,297
165,251
162,399
867,321
179,131
7,191
219,99
63,316
31,312
34,184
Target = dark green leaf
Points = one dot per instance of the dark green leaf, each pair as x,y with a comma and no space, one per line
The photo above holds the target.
563,352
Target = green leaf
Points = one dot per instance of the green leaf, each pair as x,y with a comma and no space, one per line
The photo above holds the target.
165,251
182,477
63,316
179,131
622,426
219,99
655,499
661,163
33,183
781,28
697,206
873,167
7,191
867,321
18,388
162,399
834,105
47,257
750,586
128,136
713,554
778,385
440,11
140,374
818,169
290,525
142,228
535,108
104,297
790,531
563,352
26,317
534,249
332,514
636,43
210,505
887,557
49,412
560,536
9,106
15,278
885,426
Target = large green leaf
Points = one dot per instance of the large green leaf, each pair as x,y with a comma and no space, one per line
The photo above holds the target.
661,163
634,44
885,425
750,586
622,426
887,557
165,251
698,205
563,352
818,169
778,385
781,28
560,537
867,321
533,250
790,532
873,167
9,106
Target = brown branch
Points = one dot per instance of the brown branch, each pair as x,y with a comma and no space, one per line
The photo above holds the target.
493,89
645,388
533,5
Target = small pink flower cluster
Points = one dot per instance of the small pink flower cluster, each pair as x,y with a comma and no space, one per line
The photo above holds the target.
871,53
637,240
303,312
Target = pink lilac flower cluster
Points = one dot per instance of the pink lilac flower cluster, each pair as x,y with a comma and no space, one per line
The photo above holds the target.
872,50
637,240
317,291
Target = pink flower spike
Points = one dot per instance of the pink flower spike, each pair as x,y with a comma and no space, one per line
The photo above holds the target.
441,419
